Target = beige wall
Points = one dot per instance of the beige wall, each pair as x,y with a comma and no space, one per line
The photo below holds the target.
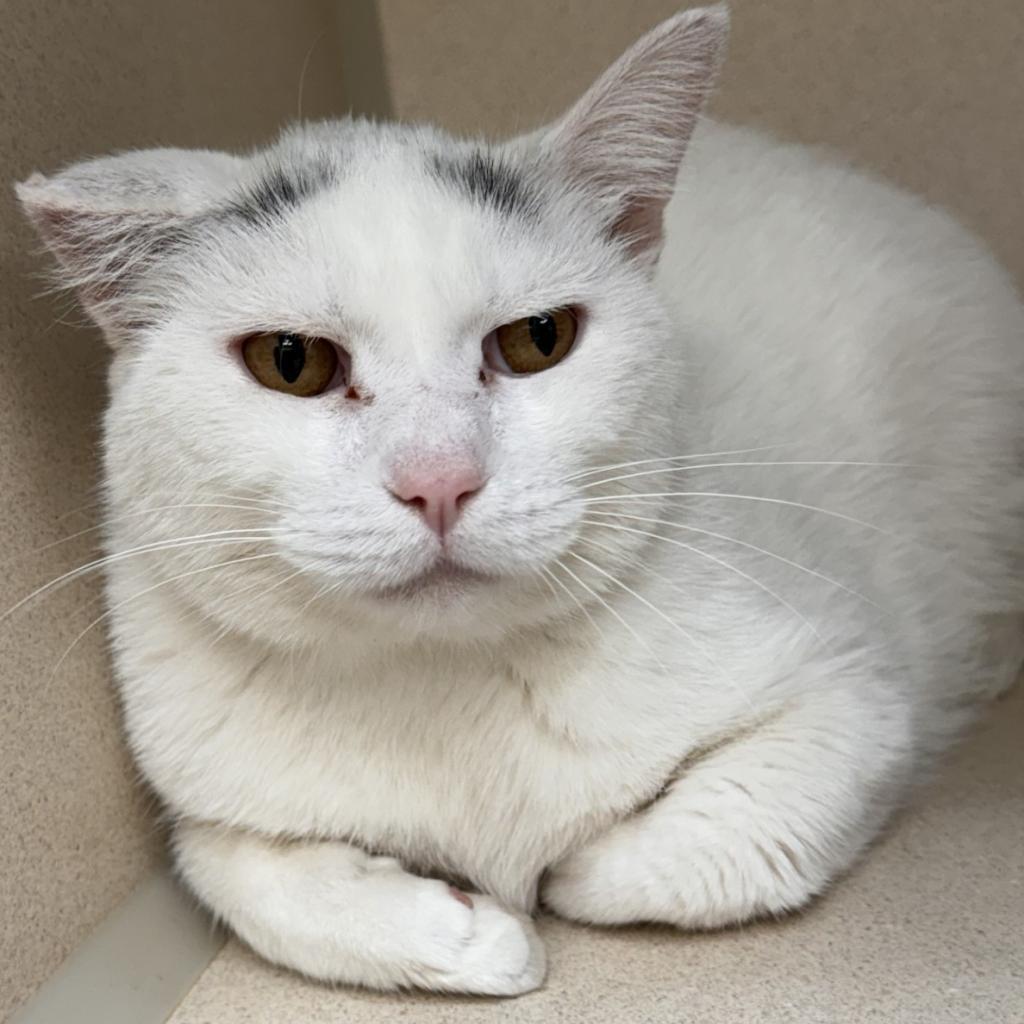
78,79
930,92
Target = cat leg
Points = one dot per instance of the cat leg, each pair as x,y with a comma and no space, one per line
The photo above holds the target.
335,913
757,827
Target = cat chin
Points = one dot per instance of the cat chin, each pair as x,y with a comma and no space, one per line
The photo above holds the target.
450,604
443,583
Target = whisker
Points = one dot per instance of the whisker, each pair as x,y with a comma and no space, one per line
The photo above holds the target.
116,519
256,495
542,572
547,575
305,68
672,458
702,648
142,593
597,597
740,497
257,503
88,507
258,583
724,564
743,544
729,567
720,465
200,540
225,629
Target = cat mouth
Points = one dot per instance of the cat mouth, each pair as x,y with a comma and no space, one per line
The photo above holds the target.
445,578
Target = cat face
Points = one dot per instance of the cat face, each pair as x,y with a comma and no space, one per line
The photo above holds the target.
373,366
405,276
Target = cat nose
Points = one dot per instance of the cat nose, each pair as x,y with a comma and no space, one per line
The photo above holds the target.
438,492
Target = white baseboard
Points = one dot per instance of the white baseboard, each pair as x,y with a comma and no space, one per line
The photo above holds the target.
136,967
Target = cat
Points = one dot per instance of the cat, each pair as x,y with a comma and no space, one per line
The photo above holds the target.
499,525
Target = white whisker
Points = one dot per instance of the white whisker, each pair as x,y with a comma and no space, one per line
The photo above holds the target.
221,537
288,576
743,544
603,499
671,458
257,503
255,495
720,465
675,625
725,565
116,519
225,629
611,611
142,593
547,575
543,572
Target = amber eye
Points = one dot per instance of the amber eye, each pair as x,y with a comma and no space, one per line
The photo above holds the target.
535,343
291,363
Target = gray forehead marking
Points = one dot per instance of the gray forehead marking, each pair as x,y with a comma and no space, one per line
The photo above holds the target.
281,189
486,179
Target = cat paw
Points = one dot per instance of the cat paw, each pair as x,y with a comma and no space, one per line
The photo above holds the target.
475,945
594,885
336,913
708,877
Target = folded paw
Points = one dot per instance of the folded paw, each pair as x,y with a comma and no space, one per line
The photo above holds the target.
461,943
699,875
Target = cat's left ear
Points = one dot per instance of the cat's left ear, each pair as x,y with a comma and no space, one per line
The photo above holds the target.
108,221
623,141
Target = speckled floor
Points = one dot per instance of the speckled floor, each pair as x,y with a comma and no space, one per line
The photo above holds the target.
929,929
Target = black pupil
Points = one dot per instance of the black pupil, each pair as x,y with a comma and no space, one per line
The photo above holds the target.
544,333
289,357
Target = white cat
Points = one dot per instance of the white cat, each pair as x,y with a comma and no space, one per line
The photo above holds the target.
454,535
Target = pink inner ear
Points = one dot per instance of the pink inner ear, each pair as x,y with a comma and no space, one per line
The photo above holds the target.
641,225
97,248
624,140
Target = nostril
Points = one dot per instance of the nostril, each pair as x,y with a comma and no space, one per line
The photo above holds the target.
438,496
470,492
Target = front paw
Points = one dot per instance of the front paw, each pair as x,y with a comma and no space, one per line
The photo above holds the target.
472,944
601,883
338,914
701,876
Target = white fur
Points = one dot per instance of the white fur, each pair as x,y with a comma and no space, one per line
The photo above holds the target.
716,742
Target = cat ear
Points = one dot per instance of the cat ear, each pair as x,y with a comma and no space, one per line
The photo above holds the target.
107,221
623,141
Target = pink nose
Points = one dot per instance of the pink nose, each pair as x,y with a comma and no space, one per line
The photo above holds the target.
438,492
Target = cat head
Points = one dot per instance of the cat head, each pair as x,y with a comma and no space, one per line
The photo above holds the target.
373,366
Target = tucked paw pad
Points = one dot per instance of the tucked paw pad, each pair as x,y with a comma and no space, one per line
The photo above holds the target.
463,897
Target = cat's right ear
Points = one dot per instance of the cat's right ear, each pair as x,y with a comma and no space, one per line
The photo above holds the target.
107,221
623,141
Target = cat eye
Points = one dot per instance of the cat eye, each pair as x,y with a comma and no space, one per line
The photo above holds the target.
533,343
291,363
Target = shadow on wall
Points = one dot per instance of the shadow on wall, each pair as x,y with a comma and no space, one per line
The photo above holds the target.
80,80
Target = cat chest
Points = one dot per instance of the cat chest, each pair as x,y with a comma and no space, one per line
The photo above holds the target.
457,776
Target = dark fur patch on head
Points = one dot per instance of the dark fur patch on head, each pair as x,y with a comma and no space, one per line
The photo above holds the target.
487,180
282,189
